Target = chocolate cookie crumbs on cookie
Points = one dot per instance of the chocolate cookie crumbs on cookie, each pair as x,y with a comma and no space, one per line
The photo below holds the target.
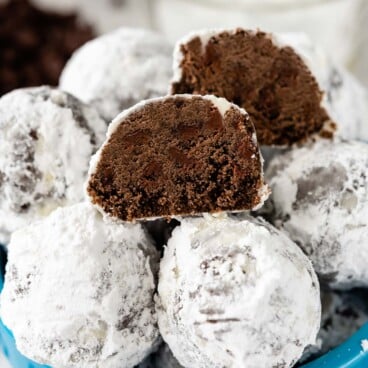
178,155
35,44
255,70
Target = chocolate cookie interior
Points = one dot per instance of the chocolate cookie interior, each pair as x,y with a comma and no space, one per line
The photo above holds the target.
175,156
272,83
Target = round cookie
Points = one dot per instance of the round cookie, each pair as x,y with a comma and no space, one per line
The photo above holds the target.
79,290
47,138
178,155
290,88
236,293
36,43
320,198
117,70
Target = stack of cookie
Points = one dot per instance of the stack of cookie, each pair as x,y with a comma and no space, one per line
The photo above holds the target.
182,175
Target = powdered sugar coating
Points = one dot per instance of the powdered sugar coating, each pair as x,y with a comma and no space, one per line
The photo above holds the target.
345,99
236,293
47,138
320,198
117,70
79,291
364,345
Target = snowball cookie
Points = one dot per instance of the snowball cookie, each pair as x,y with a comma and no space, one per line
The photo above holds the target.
178,155
117,70
236,293
47,138
320,198
289,87
343,313
79,291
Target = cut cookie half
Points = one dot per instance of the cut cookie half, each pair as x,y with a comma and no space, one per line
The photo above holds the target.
288,86
178,155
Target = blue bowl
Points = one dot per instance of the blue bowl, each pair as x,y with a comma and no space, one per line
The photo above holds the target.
7,343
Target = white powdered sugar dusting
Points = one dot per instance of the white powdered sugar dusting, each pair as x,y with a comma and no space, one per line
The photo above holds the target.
119,69
236,292
320,198
364,345
79,291
47,138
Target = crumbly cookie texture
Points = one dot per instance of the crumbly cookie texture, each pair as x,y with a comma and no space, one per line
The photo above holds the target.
117,70
178,155
236,292
290,88
47,138
79,291
320,198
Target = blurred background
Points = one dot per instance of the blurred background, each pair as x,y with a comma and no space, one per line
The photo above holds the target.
38,36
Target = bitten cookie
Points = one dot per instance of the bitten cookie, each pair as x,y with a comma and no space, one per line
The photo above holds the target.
290,88
236,292
47,138
79,291
320,198
178,155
